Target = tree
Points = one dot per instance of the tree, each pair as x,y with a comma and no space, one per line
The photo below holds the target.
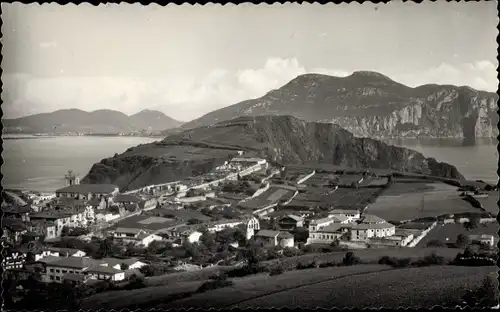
65,231
105,247
190,193
124,266
208,240
462,240
350,259
194,221
30,257
474,221
354,185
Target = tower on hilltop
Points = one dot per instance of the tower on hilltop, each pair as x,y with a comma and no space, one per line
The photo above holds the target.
72,178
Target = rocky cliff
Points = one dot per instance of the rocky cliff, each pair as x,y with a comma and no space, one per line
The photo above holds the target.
369,104
282,139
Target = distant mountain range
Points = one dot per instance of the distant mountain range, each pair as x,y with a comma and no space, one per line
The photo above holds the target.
100,121
369,104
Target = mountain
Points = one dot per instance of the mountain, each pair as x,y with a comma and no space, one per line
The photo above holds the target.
154,119
99,121
281,139
370,104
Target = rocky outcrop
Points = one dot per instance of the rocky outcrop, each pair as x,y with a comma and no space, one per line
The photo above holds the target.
372,105
280,139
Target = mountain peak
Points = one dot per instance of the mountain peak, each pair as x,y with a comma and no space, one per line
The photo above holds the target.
368,73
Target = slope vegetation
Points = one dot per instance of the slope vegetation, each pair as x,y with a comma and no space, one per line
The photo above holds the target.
280,139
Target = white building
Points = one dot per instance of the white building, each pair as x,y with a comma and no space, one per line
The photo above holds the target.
275,238
483,239
371,226
71,217
135,236
329,233
351,215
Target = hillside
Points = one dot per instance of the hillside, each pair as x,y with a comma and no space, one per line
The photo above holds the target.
99,121
369,104
281,139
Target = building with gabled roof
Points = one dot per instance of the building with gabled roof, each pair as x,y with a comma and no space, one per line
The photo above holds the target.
275,238
87,191
290,222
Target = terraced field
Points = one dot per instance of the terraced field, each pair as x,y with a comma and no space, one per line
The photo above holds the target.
414,287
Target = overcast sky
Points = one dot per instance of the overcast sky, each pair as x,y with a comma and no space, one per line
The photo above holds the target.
189,60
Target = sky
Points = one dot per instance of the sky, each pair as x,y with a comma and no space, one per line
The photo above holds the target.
189,60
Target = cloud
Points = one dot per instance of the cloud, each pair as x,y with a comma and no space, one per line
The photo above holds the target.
480,75
186,99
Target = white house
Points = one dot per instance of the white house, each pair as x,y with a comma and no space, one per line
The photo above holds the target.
131,263
70,217
102,272
56,269
371,226
483,238
351,215
105,216
329,233
135,236
87,191
316,225
275,238
222,224
191,236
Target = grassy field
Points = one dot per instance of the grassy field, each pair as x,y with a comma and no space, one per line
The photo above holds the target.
250,287
366,255
181,277
121,299
409,288
408,201
160,289
451,231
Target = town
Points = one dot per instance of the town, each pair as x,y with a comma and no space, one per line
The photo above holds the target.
87,234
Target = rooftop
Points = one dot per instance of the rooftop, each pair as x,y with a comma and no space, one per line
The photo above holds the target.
334,228
267,233
294,217
370,226
88,188
73,262
103,269
128,230
116,261
367,218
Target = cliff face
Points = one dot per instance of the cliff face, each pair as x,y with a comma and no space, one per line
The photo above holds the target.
282,139
370,104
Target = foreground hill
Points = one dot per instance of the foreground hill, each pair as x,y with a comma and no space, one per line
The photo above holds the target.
370,104
99,121
280,139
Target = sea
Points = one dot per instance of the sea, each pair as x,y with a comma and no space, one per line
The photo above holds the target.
40,163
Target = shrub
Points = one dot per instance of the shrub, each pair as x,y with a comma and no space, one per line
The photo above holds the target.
214,284
246,270
277,270
435,243
301,266
432,259
350,259
395,262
